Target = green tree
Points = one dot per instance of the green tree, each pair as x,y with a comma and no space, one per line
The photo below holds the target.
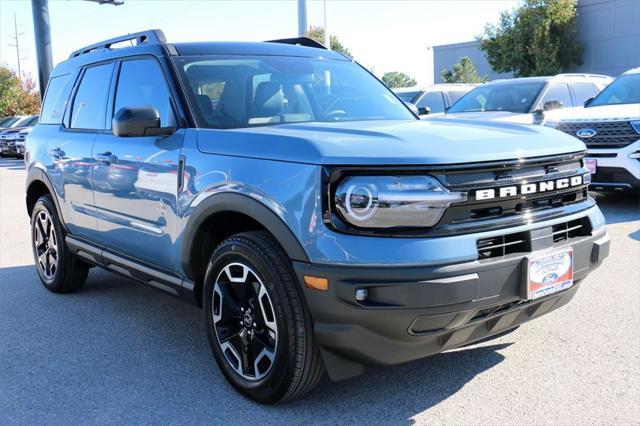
317,34
537,38
17,97
463,72
395,79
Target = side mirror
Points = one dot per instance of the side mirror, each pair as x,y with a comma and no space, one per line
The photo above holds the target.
138,121
551,105
424,110
588,101
413,108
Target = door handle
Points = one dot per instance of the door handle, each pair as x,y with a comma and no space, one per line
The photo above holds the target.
57,153
105,157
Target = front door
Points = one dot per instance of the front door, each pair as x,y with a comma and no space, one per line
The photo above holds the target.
135,179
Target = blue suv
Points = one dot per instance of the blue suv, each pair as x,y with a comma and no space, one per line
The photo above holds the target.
318,222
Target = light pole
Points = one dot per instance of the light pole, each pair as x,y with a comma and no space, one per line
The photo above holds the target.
42,31
302,17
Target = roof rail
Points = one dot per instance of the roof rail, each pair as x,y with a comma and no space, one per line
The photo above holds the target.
300,41
150,36
577,74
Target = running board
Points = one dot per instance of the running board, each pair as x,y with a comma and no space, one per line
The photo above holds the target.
122,265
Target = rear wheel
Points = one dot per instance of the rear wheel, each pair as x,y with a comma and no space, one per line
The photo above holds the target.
259,329
58,269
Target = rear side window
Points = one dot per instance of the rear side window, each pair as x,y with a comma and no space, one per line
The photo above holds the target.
142,83
433,100
584,91
55,101
90,102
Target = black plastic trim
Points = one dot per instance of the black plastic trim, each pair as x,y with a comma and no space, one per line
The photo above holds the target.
238,203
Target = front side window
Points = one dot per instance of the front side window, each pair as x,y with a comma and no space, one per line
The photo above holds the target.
55,100
237,92
558,92
432,100
513,97
624,90
454,96
90,102
142,83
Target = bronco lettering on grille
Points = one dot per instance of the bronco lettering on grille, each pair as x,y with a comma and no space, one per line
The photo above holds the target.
531,188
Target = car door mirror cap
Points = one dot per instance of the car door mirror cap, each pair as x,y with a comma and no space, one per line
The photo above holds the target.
424,110
137,121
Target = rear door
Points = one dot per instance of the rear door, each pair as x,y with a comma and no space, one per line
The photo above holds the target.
135,178
70,148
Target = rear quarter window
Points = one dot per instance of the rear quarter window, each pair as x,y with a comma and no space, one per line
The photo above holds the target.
55,100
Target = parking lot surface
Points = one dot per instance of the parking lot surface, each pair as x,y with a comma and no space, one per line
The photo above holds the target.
121,352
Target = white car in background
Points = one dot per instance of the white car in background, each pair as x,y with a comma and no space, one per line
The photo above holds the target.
433,100
527,100
609,125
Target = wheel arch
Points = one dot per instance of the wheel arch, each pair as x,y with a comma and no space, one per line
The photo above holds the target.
238,213
37,185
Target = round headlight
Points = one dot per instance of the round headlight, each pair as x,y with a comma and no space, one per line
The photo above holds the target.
393,201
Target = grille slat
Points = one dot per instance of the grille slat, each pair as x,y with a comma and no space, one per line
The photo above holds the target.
609,134
521,242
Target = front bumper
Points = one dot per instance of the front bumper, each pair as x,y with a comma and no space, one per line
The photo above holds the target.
615,168
414,312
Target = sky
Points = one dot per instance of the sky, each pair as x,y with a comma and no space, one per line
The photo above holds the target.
383,35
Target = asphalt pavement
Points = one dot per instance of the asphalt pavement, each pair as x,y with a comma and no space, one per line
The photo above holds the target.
120,352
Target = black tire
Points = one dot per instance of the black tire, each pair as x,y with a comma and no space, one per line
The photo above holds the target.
69,273
296,367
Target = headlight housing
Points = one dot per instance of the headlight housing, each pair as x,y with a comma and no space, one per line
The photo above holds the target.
386,202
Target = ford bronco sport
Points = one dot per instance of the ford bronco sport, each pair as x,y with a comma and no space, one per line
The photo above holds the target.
319,223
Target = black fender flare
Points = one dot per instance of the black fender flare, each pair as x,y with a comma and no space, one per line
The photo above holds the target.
37,175
238,203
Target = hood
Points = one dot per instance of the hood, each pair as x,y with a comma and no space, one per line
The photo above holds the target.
500,116
416,142
596,113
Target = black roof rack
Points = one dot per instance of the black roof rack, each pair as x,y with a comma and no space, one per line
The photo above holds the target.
300,41
150,36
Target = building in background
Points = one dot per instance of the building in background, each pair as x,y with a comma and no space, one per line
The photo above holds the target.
608,29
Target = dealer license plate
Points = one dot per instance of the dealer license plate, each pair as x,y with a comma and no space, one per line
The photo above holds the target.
591,164
549,273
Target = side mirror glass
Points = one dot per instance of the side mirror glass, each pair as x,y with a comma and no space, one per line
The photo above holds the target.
424,110
588,101
138,121
551,105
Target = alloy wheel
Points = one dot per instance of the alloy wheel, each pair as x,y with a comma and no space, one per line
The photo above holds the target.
244,321
46,245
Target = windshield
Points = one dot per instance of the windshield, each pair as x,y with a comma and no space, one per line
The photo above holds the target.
407,96
511,97
236,92
10,121
624,90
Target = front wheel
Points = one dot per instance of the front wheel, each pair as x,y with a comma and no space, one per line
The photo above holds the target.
259,329
58,269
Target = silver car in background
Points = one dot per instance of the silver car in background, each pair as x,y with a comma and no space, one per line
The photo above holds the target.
433,100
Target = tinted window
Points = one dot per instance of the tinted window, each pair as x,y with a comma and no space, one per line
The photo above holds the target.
55,101
454,96
584,91
407,96
514,97
624,90
142,83
265,90
433,100
558,92
90,102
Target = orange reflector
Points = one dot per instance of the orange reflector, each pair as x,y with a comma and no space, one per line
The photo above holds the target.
316,283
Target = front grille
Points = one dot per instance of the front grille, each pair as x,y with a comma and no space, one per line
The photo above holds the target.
609,134
528,241
613,175
477,212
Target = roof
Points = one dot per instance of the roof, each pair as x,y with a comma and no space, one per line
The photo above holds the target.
632,71
559,77
254,48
